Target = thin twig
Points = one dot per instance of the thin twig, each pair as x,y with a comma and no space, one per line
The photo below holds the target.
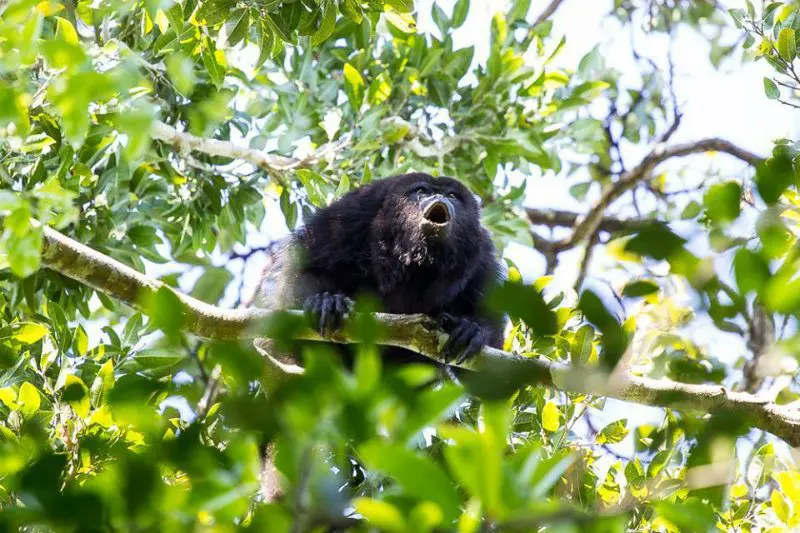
548,11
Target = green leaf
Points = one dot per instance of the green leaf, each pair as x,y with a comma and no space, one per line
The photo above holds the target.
519,10
691,210
614,338
689,515
28,332
581,344
266,41
352,10
181,71
103,383
28,399
81,341
417,475
402,22
773,176
751,270
787,47
640,288
152,358
313,184
214,61
380,514
210,287
353,86
24,252
613,433
440,18
771,89
657,242
476,461
237,26
403,6
525,303
76,395
65,31
8,397
327,25
380,89
213,12
460,12
723,202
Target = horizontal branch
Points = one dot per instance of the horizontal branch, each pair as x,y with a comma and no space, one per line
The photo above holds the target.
418,333
186,142
567,219
590,222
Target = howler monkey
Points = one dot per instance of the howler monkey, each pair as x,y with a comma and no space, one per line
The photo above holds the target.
413,241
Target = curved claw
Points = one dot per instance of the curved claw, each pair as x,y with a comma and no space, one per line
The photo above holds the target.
466,338
326,312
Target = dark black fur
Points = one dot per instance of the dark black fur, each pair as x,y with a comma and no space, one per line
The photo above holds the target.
373,240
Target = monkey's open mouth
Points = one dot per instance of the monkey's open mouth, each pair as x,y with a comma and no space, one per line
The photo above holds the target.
438,213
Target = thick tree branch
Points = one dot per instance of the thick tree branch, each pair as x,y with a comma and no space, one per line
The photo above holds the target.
186,142
418,333
590,222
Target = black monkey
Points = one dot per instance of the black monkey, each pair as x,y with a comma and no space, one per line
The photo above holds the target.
413,241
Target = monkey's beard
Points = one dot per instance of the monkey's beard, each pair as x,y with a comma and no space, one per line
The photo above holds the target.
413,248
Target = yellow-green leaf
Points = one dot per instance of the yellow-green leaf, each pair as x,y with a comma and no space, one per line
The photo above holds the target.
65,31
380,514
29,332
353,86
551,417
779,506
81,341
76,395
789,482
787,47
402,21
29,399
8,397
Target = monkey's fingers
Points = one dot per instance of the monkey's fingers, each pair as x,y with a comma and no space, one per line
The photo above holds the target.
476,344
327,314
460,336
342,308
447,321
312,309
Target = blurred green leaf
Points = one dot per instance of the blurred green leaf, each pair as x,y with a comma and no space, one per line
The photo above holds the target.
722,202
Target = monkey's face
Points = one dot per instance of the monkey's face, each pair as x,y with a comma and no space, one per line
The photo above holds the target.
424,217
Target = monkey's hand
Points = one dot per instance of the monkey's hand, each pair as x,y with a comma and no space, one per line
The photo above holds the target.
326,311
467,338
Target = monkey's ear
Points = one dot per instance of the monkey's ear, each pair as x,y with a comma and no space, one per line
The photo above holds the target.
478,200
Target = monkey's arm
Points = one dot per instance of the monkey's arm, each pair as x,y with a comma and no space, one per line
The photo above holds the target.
469,322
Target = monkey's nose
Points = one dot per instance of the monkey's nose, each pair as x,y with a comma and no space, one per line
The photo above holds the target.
438,211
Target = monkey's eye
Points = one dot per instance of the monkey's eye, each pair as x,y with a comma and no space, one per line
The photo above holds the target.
419,189
454,196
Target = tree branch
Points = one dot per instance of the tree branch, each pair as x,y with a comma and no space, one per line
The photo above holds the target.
548,11
420,334
567,219
589,223
186,142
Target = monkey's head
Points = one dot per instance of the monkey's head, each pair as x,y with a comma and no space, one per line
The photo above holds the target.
426,220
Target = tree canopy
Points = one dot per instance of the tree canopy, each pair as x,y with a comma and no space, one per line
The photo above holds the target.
153,152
